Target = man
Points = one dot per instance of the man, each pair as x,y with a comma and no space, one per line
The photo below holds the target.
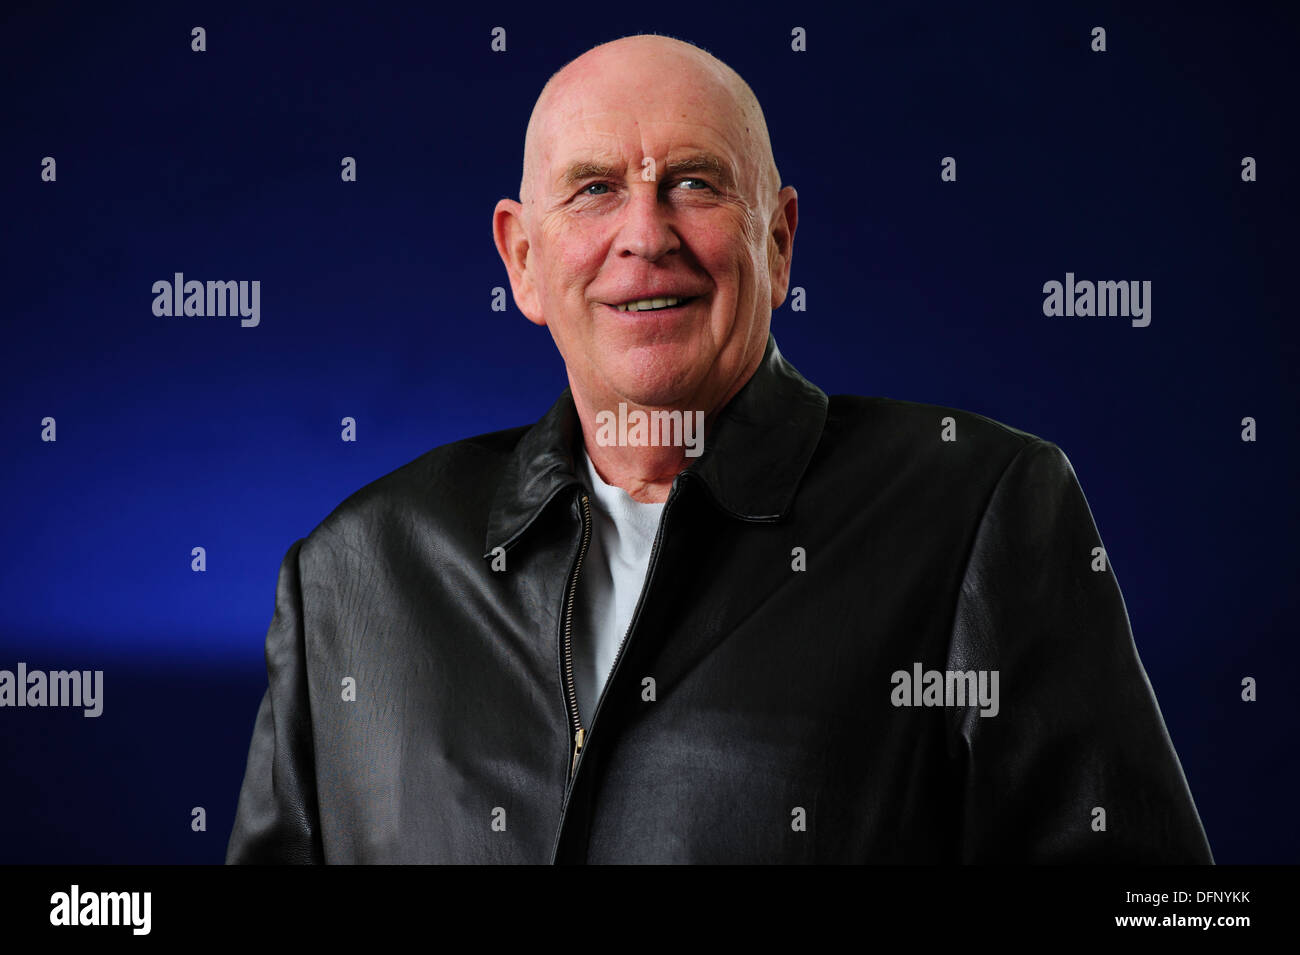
850,630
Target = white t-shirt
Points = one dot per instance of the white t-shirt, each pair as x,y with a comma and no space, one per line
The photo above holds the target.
609,584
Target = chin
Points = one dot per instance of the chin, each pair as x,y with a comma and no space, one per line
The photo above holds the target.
654,386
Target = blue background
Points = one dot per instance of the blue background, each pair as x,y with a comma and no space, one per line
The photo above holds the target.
177,432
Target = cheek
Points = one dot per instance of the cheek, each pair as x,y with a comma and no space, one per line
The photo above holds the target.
575,260
728,252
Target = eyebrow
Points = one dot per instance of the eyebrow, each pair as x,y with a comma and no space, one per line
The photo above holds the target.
702,162
587,169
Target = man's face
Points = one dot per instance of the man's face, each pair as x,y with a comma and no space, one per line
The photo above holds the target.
646,185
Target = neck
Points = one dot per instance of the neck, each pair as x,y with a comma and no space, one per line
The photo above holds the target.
645,473
642,448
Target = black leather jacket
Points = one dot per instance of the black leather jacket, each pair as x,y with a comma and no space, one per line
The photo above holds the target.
817,549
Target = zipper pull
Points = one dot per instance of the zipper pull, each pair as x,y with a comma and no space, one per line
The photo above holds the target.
577,748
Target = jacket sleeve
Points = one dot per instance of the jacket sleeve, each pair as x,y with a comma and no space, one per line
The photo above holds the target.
277,818
1076,765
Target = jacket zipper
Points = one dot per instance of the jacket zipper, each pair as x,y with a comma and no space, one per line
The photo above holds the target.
579,732
570,694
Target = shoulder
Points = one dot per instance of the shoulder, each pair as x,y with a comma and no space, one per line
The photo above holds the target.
920,420
889,438
446,487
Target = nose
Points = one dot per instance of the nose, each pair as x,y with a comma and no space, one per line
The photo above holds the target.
645,230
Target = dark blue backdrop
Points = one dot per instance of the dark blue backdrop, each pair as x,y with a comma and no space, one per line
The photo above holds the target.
183,432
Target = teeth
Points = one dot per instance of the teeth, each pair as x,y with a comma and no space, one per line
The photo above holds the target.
646,304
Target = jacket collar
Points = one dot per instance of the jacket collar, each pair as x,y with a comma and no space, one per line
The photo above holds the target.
753,458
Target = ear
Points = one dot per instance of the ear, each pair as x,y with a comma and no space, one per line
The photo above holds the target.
512,245
780,243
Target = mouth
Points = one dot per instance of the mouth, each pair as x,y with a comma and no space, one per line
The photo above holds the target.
662,304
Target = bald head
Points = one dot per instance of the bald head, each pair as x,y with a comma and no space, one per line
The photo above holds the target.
629,71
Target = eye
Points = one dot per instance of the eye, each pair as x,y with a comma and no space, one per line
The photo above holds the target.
595,185
700,181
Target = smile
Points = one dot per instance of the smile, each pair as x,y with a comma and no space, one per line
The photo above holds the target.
653,304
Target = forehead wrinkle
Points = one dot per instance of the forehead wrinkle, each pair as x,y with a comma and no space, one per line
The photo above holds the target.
718,155
696,160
